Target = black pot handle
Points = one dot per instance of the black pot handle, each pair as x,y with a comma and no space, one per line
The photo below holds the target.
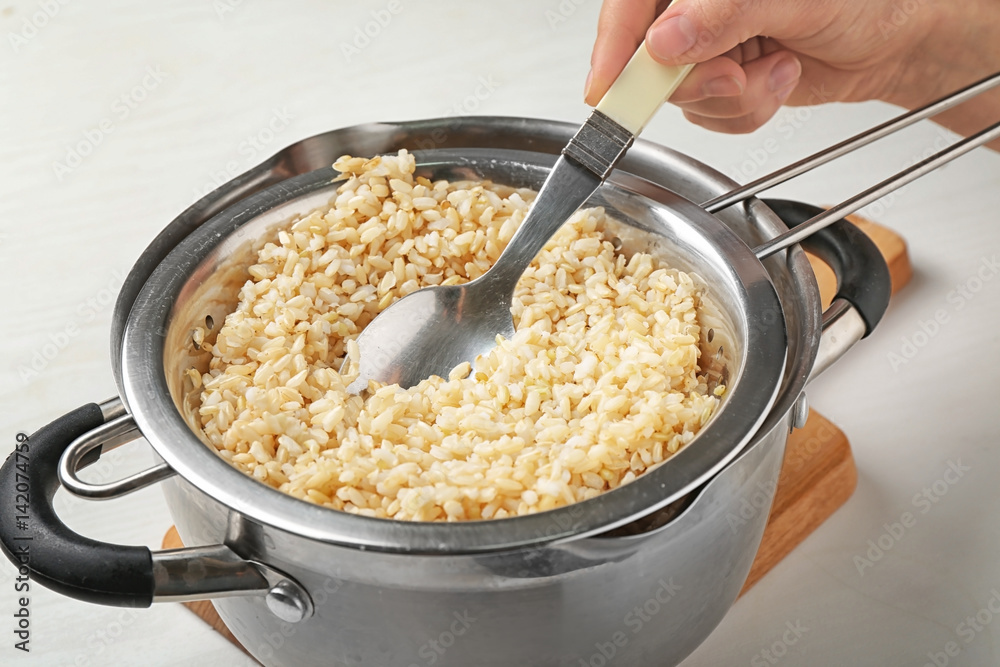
863,277
35,539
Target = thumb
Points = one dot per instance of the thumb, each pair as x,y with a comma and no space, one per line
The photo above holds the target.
692,31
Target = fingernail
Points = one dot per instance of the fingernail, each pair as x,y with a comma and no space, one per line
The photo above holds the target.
586,86
723,86
672,37
784,74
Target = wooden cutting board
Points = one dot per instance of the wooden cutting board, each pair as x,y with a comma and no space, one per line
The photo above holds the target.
818,474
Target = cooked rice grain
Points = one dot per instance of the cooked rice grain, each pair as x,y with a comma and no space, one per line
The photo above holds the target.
600,382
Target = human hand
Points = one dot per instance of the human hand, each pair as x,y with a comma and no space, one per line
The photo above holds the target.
906,52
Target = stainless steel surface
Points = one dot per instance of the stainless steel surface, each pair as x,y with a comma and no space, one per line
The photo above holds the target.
198,573
922,168
434,329
212,572
843,326
599,144
112,408
197,280
848,145
115,433
800,414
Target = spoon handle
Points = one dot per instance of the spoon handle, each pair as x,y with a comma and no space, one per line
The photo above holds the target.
566,188
591,154
642,88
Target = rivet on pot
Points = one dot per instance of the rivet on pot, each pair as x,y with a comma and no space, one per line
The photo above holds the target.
800,413
289,602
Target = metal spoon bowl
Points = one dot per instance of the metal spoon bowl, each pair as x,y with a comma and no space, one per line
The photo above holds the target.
433,330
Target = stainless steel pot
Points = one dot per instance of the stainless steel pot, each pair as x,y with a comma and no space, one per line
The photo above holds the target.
638,576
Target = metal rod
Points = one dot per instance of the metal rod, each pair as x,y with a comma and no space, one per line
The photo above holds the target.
108,436
877,191
848,145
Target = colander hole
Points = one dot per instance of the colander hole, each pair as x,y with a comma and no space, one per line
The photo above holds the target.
711,334
616,243
210,323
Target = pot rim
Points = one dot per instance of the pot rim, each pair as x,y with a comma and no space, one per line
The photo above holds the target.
721,440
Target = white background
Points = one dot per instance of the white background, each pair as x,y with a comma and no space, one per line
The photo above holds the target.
230,69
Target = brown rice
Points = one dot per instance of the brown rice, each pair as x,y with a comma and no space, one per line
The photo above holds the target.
600,382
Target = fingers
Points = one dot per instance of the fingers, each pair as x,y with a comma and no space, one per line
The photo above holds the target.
697,30
686,31
770,80
718,77
621,28
739,83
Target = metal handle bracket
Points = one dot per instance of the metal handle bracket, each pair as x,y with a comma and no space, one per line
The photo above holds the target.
86,449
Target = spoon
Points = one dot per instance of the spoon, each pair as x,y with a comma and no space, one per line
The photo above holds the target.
434,329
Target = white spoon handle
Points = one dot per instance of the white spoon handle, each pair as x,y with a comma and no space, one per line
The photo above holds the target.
642,87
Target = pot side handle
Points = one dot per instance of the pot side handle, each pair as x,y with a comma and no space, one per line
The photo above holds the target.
36,540
864,283
862,275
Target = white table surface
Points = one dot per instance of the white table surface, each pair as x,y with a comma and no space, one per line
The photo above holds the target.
213,75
